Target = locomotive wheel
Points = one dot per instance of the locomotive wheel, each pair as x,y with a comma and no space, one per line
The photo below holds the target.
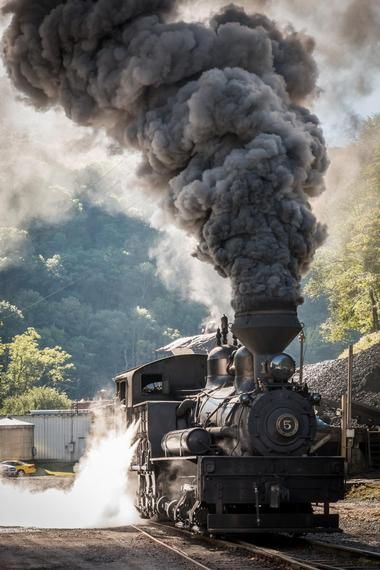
161,515
198,518
149,504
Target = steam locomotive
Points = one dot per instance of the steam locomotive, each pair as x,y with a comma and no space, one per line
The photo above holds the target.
227,442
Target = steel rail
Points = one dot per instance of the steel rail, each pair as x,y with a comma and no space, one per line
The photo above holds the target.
274,554
263,553
288,561
321,564
360,552
171,548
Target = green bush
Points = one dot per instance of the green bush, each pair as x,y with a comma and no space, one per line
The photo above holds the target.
41,398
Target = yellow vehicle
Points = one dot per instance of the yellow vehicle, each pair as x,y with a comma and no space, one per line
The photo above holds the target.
22,468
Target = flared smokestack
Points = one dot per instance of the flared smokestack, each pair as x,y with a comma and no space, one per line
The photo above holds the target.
267,332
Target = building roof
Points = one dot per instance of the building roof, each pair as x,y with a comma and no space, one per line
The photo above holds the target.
199,344
171,357
10,422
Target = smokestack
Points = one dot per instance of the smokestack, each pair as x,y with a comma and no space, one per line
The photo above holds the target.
267,331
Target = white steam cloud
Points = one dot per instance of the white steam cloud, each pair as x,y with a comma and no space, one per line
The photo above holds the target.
180,270
99,496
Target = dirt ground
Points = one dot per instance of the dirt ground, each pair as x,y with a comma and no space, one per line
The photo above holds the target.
360,513
113,549
360,522
125,548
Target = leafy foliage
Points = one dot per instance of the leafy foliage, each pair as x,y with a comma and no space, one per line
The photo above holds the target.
316,348
38,398
24,365
350,274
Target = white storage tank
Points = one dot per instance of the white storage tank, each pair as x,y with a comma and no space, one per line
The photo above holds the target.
16,439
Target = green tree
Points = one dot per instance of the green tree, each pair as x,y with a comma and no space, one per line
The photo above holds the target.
38,398
25,365
350,274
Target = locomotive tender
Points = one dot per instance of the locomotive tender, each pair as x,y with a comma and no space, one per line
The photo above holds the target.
226,442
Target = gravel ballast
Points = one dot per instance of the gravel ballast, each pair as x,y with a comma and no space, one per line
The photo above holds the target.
329,378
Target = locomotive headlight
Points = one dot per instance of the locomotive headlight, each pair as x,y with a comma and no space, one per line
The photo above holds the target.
282,367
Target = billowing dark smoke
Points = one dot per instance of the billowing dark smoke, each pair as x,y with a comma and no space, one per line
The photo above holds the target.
216,111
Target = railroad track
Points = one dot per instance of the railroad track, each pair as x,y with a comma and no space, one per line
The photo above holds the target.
171,548
318,555
350,558
200,551
293,554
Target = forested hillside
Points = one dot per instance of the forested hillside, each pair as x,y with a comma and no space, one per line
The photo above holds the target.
88,286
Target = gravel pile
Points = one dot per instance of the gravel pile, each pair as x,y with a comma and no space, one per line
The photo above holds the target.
329,378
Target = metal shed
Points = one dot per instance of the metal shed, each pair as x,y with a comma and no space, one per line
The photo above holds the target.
60,435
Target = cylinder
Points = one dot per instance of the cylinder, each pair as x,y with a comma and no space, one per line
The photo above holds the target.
194,441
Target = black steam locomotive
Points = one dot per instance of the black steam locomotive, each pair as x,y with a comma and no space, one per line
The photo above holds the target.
227,442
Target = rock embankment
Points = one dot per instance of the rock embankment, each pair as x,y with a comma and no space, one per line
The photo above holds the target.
329,378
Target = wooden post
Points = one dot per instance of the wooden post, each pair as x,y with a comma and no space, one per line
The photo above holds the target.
349,405
349,385
343,427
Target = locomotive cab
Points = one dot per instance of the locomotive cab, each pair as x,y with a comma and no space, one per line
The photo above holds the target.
171,378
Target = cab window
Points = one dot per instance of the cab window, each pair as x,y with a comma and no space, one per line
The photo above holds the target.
122,390
151,383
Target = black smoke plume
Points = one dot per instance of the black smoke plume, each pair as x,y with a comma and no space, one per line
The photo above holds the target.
215,110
